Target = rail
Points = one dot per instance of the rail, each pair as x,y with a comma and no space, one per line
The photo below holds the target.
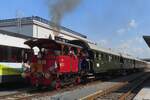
114,88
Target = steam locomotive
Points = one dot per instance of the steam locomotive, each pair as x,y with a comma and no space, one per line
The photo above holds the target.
54,63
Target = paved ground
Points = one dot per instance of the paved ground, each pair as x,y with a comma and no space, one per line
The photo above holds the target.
144,93
71,94
84,91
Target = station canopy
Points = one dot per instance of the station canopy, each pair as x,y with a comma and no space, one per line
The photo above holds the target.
147,40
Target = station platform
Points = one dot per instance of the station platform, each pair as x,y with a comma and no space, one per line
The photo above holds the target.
144,94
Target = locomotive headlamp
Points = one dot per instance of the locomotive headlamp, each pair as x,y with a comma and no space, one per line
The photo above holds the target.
36,50
56,64
98,65
42,50
47,75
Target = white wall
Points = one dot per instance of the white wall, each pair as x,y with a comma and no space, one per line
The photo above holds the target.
7,40
41,32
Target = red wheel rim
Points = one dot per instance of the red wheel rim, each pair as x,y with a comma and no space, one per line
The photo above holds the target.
58,85
78,80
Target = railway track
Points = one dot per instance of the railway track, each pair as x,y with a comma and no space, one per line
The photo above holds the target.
22,93
29,93
120,91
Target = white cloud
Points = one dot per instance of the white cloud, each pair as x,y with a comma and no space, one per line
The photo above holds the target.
130,25
103,42
135,47
121,31
139,39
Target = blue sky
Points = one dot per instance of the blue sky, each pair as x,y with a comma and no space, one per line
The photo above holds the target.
116,24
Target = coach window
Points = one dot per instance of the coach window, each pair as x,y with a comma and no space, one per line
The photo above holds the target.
117,58
97,56
110,58
10,54
106,56
114,58
126,60
102,56
91,55
94,55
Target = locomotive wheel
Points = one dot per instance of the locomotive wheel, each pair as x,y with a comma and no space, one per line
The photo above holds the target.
56,84
78,80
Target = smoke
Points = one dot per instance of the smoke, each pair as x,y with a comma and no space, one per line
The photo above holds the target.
59,8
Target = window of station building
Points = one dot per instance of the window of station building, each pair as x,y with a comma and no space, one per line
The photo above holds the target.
10,54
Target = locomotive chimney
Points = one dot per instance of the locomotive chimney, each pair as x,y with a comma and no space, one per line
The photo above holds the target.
58,9
56,30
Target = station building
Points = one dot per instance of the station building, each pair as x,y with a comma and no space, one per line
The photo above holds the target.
39,28
14,32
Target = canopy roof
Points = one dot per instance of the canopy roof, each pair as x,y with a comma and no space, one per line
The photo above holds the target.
12,39
147,40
